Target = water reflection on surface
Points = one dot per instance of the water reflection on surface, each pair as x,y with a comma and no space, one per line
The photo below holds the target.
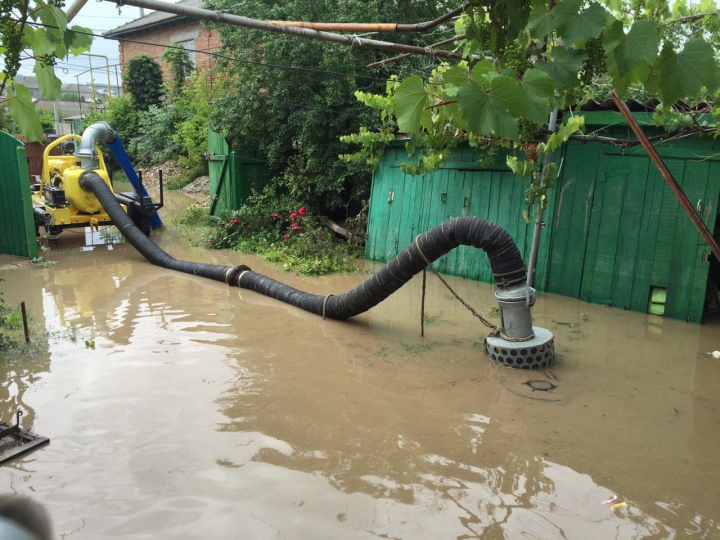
209,412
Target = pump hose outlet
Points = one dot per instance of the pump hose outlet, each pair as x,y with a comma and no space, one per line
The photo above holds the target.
505,260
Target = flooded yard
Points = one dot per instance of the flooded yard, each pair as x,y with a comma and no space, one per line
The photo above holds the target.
197,410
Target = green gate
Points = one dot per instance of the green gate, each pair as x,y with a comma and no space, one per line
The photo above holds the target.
233,174
17,224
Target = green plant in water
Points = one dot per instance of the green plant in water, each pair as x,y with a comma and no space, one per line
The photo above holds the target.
195,216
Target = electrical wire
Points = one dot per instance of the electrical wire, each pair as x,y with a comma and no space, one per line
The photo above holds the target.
219,55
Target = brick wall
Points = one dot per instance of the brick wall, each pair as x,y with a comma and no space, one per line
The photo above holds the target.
205,40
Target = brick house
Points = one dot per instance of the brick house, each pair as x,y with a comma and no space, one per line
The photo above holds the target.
163,28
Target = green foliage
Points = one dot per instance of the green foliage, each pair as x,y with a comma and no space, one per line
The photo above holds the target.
284,232
47,121
69,96
123,116
20,41
6,315
297,116
519,62
154,141
194,104
195,216
180,66
143,80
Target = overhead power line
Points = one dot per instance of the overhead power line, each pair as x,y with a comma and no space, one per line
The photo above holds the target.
220,55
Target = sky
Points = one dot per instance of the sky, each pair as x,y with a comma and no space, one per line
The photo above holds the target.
100,16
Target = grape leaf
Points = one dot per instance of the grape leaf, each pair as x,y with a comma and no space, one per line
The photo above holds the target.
78,40
472,31
492,110
564,66
23,112
48,83
541,21
480,69
54,18
573,24
637,46
456,75
410,100
40,45
538,89
683,74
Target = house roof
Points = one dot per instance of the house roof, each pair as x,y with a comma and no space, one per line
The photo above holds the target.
155,18
28,80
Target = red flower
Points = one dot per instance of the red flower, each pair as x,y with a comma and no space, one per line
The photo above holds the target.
286,237
293,216
322,234
295,227
212,243
219,223
235,221
276,216
301,211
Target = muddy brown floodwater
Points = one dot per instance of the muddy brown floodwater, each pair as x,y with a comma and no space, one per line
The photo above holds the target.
212,412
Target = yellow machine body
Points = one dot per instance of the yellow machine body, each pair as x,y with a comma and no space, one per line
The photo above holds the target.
81,207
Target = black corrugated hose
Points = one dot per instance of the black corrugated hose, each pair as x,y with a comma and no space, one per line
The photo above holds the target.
505,260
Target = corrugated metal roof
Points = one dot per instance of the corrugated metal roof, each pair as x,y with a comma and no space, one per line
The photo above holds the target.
153,19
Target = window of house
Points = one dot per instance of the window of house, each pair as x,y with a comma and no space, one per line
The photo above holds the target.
189,45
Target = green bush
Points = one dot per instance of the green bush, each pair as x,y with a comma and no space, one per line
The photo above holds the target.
284,232
123,116
154,141
195,216
144,81
5,314
194,103
296,116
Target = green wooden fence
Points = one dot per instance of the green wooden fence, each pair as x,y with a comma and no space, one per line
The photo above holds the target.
402,206
17,224
615,232
233,174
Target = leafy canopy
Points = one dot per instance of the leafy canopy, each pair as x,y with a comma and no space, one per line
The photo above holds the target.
23,42
144,81
296,115
519,60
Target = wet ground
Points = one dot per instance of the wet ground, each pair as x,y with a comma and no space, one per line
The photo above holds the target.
212,412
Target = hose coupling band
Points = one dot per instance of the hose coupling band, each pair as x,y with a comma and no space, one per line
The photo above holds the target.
325,305
232,272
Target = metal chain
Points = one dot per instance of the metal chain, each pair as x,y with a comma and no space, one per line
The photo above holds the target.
496,330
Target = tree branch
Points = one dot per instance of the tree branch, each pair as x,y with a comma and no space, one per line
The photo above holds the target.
693,17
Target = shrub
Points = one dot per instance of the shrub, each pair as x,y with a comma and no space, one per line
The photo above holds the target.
296,116
285,233
144,81
195,104
123,116
154,141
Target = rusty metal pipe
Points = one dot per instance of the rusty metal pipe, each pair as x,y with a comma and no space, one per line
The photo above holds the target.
667,175
375,27
256,24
